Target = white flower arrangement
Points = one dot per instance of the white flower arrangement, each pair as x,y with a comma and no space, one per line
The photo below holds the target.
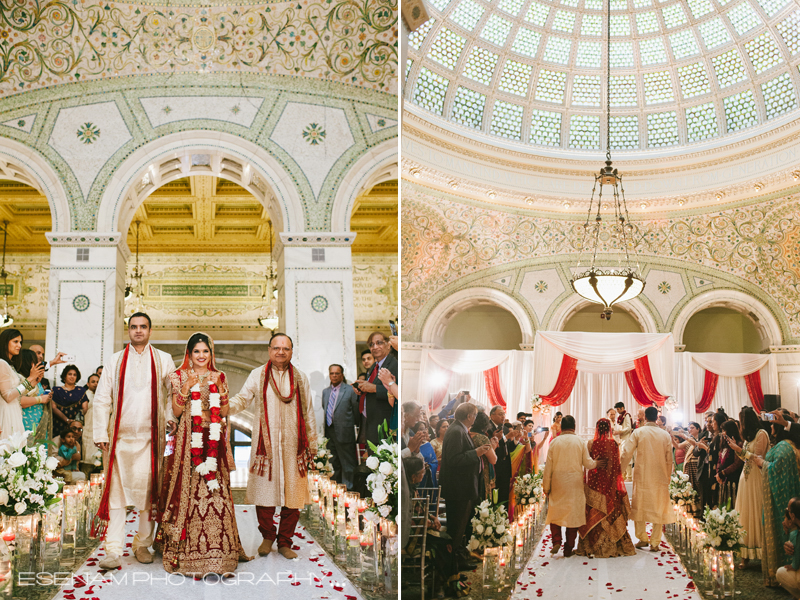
528,489
323,459
97,458
681,491
383,483
537,405
27,484
490,526
671,403
723,530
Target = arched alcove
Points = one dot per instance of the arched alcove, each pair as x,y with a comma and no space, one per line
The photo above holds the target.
721,329
483,327
588,319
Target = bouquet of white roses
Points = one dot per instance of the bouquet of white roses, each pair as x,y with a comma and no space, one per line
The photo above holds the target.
722,528
528,489
322,460
681,491
536,403
382,483
489,526
27,484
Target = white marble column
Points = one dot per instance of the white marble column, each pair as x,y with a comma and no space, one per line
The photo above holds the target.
84,314
410,369
315,286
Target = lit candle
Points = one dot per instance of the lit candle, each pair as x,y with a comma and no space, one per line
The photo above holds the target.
8,536
52,537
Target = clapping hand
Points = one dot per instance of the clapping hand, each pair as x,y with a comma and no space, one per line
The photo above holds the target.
415,442
481,450
494,442
386,377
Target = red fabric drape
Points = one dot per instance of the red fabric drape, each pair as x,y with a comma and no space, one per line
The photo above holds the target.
642,367
566,381
635,386
440,391
709,389
492,379
753,382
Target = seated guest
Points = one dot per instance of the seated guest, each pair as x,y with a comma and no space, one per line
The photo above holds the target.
69,400
562,482
69,454
458,476
438,547
789,576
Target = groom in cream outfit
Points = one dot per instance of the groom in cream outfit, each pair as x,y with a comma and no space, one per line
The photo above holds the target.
126,424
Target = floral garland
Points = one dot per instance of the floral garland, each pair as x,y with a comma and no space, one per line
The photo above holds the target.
207,467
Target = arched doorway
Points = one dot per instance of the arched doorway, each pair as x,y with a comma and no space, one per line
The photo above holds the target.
483,327
721,329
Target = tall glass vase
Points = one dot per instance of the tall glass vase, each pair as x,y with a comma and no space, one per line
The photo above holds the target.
370,556
493,575
389,548
26,553
724,584
7,536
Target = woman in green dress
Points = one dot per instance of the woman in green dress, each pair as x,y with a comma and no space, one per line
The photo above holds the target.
781,475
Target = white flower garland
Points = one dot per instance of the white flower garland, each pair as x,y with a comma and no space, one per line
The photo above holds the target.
214,433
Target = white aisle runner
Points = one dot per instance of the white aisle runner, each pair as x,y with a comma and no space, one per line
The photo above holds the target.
311,576
645,576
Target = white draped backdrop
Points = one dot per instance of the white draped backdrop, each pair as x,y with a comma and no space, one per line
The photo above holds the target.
602,360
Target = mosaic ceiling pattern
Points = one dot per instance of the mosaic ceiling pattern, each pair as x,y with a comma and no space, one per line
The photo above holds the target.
444,242
48,43
533,71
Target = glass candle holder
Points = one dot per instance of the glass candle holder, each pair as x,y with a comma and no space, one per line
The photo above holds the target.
370,564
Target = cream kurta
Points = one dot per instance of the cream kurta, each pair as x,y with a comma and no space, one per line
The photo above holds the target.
650,502
10,408
286,488
130,484
622,433
563,480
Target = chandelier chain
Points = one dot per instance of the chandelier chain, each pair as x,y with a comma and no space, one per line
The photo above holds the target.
608,81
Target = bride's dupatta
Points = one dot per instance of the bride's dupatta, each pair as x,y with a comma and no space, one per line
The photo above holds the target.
607,506
179,488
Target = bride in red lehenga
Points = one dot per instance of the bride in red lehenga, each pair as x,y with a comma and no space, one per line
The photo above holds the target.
606,531
198,531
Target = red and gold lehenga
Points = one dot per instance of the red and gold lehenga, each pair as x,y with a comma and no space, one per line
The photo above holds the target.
605,533
198,532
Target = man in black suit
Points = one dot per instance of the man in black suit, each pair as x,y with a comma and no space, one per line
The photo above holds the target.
340,407
374,402
502,468
458,476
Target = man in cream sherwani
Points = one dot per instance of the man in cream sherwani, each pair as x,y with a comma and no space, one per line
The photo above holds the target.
284,441
137,436
623,428
650,502
563,483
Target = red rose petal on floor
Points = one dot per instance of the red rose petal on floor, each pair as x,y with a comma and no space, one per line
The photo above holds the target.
295,547
320,585
590,578
586,563
349,597
69,597
295,583
68,591
244,511
338,588
619,590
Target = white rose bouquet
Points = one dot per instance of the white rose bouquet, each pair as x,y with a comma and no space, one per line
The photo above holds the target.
490,526
528,489
322,460
383,482
681,491
722,528
27,484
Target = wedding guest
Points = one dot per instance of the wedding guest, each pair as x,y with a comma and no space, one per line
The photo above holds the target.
459,478
623,427
441,430
479,433
562,482
750,494
781,471
13,387
502,467
89,448
340,410
367,360
611,415
69,400
661,421
375,402
729,467
429,457
685,456
432,421
651,475
37,414
410,441
70,451
640,418
789,575
555,428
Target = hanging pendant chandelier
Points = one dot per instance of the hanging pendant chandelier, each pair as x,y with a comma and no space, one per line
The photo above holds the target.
614,284
5,319
268,316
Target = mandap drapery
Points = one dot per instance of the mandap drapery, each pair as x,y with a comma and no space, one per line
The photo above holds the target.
711,380
644,360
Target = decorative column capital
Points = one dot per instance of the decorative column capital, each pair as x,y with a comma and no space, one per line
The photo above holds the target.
317,239
78,239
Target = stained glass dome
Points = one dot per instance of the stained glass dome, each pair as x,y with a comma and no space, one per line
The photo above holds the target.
533,71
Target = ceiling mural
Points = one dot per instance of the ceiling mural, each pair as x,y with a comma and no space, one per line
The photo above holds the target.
449,244
86,131
46,43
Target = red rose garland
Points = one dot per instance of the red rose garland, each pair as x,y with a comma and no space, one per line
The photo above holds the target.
206,463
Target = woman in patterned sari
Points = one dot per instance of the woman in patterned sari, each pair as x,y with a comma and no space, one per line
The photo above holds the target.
780,470
198,529
605,533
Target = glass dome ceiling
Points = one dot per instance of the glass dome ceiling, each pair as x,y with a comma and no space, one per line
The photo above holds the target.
533,71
